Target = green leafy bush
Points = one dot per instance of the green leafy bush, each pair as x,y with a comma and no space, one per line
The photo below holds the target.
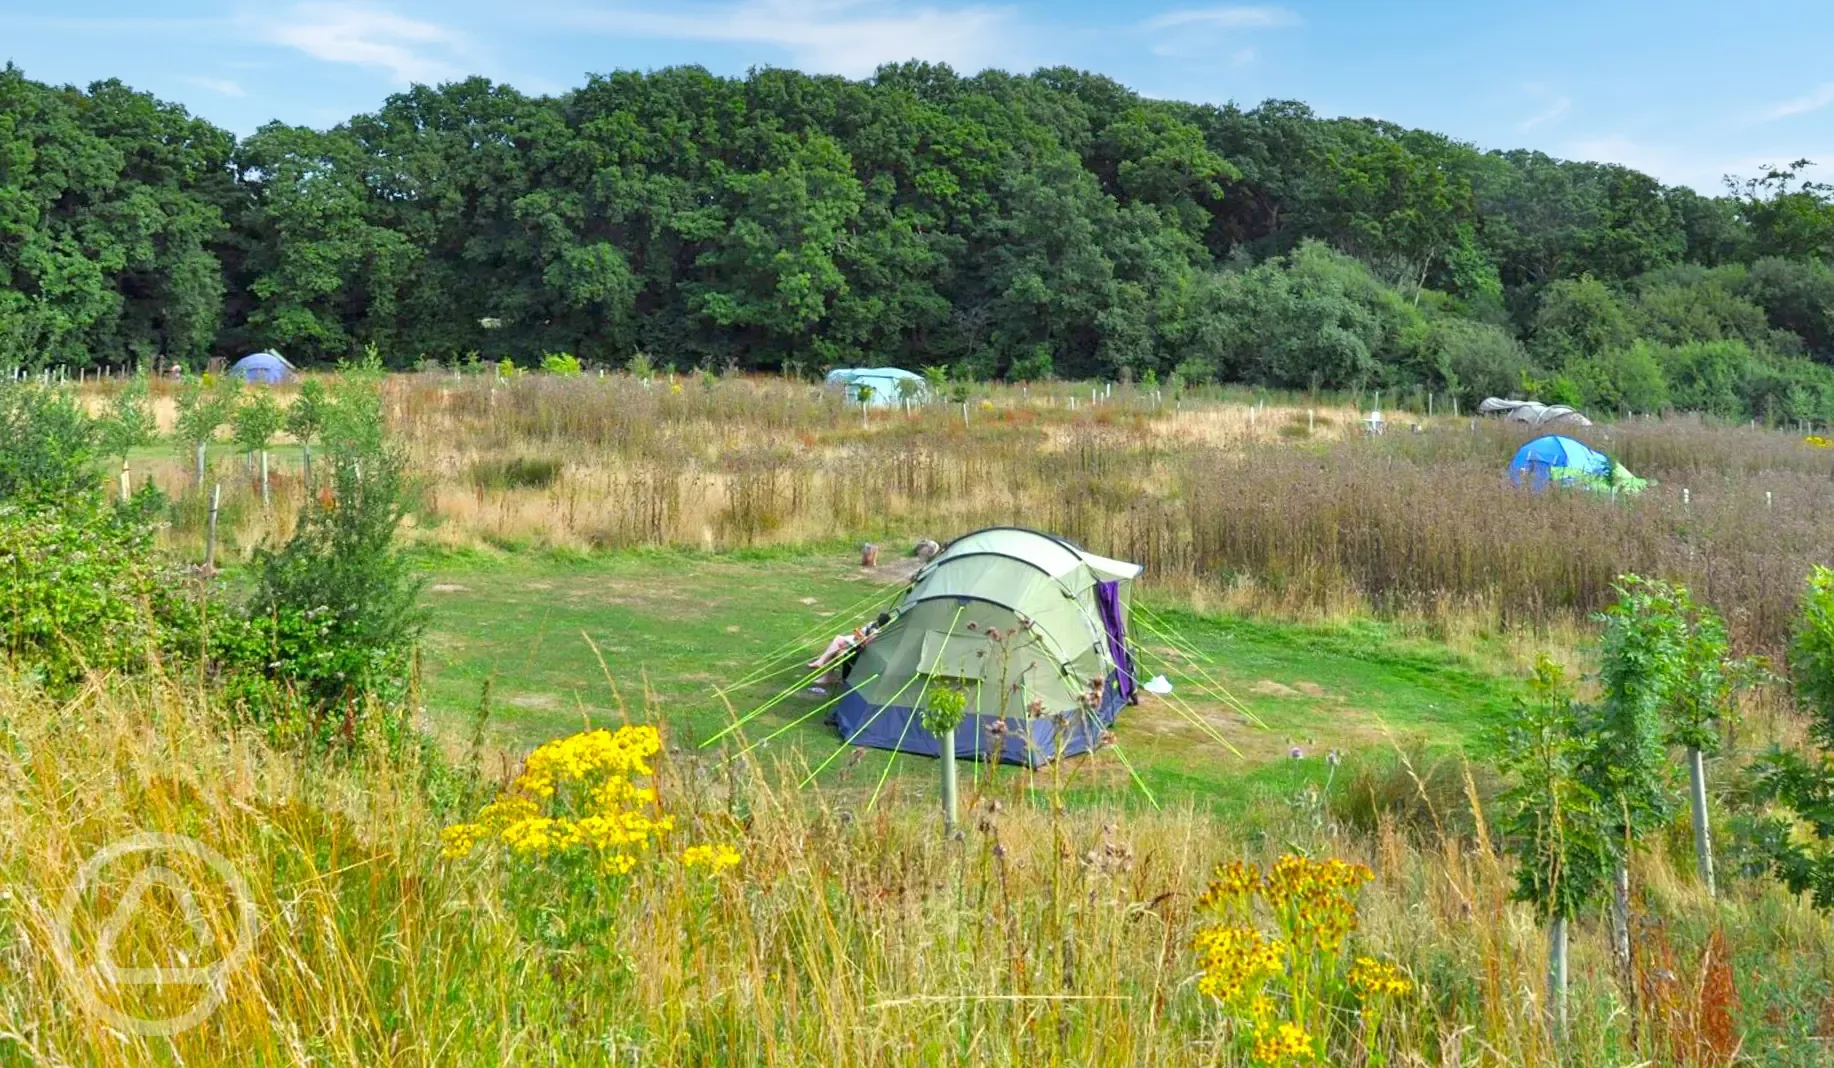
564,364
516,472
255,421
82,589
337,605
48,445
129,423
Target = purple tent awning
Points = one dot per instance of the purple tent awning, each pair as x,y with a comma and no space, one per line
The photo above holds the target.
1108,598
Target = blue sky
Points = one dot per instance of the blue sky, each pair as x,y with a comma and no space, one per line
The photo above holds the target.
1687,90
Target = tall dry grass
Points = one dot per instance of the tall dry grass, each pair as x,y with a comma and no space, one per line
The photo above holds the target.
1285,508
848,936
1294,506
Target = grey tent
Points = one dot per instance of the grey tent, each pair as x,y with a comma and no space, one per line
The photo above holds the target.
1030,627
1532,413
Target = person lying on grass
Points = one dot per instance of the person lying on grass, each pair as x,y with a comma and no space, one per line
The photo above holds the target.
844,644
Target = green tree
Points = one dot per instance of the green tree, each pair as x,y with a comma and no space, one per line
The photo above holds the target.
1798,842
1614,380
339,600
255,421
1554,821
305,418
1577,320
203,408
129,423
1641,655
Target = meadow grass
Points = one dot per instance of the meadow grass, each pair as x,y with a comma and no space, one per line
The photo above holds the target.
1283,508
1044,935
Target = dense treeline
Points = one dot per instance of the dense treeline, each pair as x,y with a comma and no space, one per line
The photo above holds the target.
1016,226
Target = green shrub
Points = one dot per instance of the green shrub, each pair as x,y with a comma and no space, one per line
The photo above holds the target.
516,472
564,364
255,421
48,445
337,605
82,589
129,423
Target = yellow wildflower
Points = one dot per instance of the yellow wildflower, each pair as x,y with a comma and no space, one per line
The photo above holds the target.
614,817
715,858
1236,959
1283,1043
1816,441
460,839
1230,888
1373,978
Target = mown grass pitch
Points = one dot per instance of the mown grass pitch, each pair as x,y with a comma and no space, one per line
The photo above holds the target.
683,626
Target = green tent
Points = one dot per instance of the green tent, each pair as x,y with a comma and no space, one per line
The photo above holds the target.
1031,627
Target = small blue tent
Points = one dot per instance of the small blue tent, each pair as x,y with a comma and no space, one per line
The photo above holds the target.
885,384
1560,460
263,368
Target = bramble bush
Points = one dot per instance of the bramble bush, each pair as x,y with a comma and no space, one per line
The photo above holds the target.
82,590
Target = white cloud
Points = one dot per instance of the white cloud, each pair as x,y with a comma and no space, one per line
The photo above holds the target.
1821,97
846,37
1205,33
218,85
1225,18
1541,118
366,35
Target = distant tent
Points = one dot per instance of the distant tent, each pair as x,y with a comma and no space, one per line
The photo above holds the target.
1532,413
265,368
1030,627
1563,461
884,386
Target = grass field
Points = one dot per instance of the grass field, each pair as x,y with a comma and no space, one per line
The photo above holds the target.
683,625
1346,619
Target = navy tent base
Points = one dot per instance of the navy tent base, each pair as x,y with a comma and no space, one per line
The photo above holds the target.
1028,742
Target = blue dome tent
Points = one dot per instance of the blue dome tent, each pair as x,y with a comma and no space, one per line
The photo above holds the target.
263,368
1560,460
885,383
